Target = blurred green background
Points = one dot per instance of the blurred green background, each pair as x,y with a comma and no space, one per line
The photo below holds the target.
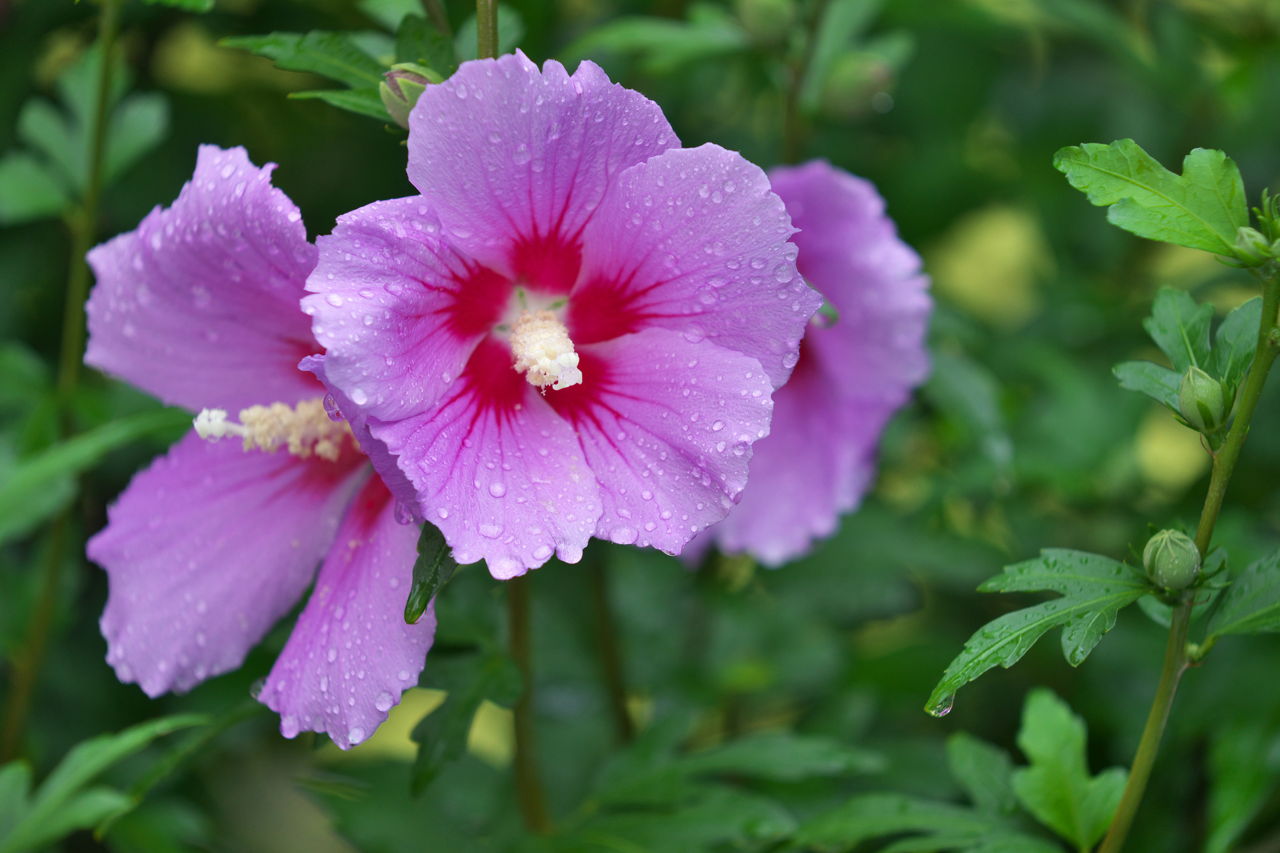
1021,439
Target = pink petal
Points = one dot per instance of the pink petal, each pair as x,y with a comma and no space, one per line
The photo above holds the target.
497,470
205,293
205,550
351,655
397,309
516,159
667,427
696,242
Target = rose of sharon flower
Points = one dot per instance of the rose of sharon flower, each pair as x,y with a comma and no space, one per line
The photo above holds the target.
212,544
853,373
575,329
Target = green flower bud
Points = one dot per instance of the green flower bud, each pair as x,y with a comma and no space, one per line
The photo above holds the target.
401,87
1171,559
1252,248
1201,401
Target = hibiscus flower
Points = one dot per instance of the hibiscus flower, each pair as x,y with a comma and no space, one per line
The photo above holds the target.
217,540
575,329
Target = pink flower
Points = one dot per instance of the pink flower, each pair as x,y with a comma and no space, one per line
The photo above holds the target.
216,541
574,330
852,376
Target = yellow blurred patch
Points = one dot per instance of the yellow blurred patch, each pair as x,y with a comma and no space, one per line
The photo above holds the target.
188,58
393,738
492,738
989,264
1170,455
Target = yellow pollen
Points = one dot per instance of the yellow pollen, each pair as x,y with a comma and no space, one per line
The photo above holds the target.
543,351
304,429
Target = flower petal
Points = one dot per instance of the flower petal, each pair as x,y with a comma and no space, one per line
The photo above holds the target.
205,293
516,159
850,252
351,655
396,308
205,550
497,470
667,427
696,242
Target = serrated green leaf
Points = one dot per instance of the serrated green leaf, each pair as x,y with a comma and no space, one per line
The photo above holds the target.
27,190
780,756
869,816
39,486
984,772
331,55
186,5
418,41
366,102
1251,604
1093,589
1234,344
1057,787
1202,208
715,816
1158,383
61,805
1180,327
433,568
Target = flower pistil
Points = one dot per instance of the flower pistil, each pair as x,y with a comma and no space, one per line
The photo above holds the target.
304,429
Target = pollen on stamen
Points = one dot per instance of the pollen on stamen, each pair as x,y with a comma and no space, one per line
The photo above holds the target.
543,351
304,430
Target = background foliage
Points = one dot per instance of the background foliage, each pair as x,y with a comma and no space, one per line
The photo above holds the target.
777,709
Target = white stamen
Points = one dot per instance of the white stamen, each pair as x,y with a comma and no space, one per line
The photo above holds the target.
543,351
304,429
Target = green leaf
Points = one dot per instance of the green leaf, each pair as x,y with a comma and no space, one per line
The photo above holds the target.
984,772
781,757
869,816
390,13
1234,344
664,45
417,40
331,55
442,734
1180,327
1159,383
40,485
716,817
366,102
842,22
27,191
510,32
1202,208
137,126
46,130
1251,605
1093,590
1057,787
15,787
185,5
433,568
61,804
1244,764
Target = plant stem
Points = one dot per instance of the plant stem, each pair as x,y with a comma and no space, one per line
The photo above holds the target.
1175,655
82,223
793,129
533,807
437,15
610,656
486,29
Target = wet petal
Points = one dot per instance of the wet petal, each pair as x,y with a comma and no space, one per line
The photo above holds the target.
205,550
667,427
397,309
351,655
497,470
516,159
696,242
199,304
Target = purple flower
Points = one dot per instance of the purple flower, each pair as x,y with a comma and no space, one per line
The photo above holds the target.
852,376
574,330
215,541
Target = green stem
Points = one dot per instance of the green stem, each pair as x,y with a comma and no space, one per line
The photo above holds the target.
610,656
1176,655
533,805
83,226
486,29
793,125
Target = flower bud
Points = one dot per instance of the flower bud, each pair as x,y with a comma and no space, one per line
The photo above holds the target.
401,87
1201,400
1171,559
1252,248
